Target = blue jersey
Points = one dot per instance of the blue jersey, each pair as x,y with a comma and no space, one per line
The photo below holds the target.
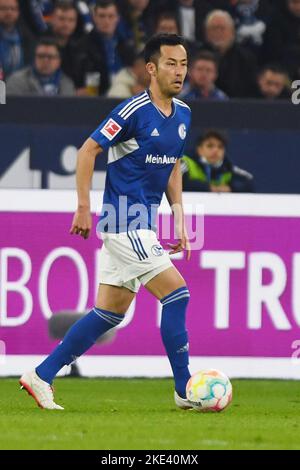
144,146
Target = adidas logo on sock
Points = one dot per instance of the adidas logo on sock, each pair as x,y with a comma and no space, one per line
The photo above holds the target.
155,133
184,349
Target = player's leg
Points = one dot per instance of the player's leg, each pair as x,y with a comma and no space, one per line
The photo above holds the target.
165,282
170,288
111,306
114,299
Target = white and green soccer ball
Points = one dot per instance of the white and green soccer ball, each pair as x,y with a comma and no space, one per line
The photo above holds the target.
209,390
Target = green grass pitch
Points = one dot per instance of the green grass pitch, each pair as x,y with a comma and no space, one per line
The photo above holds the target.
109,414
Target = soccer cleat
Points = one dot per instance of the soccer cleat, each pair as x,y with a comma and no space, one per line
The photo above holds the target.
41,391
182,403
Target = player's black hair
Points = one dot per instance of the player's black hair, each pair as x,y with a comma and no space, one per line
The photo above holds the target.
152,48
47,41
213,134
205,55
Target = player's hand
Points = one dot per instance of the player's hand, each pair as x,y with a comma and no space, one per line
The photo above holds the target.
82,223
182,245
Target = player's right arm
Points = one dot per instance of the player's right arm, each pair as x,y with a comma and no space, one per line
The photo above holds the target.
82,220
115,128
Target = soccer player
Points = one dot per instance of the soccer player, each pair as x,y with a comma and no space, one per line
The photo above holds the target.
146,136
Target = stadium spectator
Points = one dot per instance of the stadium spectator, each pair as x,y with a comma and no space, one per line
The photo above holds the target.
203,74
187,16
136,24
85,17
102,50
211,171
191,14
45,77
16,41
272,83
166,23
251,18
62,25
63,21
131,80
38,13
237,65
282,38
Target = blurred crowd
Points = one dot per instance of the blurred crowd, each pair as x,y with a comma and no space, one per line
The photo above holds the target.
237,48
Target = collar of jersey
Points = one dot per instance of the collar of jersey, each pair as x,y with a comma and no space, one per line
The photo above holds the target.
159,111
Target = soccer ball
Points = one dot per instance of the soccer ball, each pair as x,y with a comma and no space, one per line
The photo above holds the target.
209,390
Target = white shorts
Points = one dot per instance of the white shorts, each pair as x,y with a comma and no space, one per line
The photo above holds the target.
131,259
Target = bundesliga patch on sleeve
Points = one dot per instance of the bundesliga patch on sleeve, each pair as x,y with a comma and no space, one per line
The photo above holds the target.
111,129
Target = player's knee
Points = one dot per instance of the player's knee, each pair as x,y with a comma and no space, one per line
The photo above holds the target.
188,296
178,295
174,315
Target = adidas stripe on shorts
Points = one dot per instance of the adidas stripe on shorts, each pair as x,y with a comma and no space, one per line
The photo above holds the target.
129,259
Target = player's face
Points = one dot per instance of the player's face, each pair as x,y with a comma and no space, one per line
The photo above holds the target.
9,12
171,69
212,150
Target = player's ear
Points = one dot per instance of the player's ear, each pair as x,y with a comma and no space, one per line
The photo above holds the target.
151,69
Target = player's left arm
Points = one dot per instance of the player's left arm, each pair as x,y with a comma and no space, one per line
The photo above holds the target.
174,196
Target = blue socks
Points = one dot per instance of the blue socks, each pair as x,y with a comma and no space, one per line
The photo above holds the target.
80,337
174,336
84,333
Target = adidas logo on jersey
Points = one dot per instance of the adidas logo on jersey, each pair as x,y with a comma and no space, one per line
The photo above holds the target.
155,133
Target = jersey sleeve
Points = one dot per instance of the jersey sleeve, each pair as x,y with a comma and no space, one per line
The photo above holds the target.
182,150
114,129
